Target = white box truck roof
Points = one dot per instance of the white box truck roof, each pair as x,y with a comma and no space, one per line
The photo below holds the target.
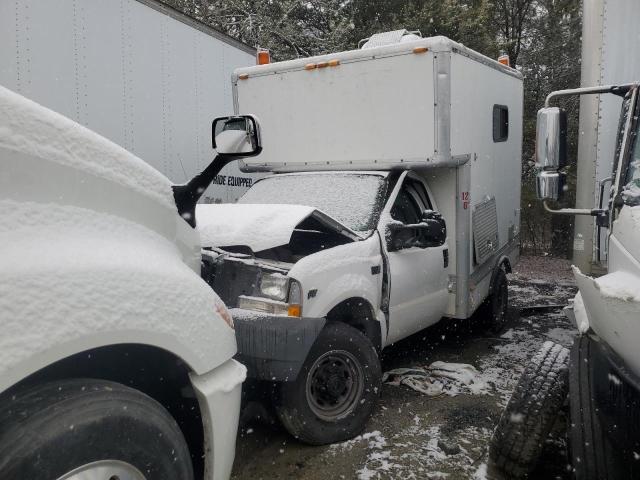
385,107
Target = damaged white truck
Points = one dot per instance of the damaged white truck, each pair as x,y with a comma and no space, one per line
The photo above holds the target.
394,202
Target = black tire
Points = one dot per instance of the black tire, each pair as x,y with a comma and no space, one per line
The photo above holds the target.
50,430
591,455
534,406
493,311
336,390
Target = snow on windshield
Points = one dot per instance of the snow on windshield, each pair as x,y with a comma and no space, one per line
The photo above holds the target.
351,199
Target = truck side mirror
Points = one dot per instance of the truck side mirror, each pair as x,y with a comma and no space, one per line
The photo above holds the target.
435,230
400,236
551,138
430,232
236,136
550,185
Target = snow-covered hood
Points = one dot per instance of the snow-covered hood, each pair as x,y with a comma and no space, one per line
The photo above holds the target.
258,226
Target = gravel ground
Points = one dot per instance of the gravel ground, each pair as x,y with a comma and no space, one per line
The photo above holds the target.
413,436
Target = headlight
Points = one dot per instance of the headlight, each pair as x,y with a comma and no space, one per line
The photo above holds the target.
281,296
274,285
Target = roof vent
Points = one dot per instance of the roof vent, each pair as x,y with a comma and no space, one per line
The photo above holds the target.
389,38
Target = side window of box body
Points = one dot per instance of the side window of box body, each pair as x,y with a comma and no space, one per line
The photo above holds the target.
500,123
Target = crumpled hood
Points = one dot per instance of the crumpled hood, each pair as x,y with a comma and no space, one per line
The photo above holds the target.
258,226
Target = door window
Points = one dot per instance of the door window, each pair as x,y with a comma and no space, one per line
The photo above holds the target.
405,209
411,201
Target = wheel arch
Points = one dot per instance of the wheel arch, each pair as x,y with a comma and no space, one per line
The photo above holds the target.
360,314
153,371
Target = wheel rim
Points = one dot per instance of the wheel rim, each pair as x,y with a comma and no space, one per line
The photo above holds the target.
104,470
334,385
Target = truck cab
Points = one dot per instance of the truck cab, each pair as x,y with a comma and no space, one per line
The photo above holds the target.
604,369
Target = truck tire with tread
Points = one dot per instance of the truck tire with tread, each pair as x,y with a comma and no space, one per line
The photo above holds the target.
57,429
525,423
336,391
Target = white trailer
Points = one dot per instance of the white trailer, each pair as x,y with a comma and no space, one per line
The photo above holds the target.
137,72
401,167
609,28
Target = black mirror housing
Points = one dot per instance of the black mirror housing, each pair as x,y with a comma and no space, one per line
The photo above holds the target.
436,228
236,136
430,232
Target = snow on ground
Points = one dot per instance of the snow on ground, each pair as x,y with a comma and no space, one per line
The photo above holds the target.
420,451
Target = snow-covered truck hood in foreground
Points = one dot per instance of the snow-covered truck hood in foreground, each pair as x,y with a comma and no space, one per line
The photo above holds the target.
258,226
93,251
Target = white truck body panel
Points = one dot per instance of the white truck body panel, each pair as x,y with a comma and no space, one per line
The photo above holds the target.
357,107
136,72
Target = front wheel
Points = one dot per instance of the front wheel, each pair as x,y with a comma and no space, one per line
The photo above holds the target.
336,390
82,429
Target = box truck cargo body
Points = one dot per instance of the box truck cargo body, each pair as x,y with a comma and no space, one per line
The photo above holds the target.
137,72
394,201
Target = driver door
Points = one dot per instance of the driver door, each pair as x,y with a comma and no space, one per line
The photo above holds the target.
418,276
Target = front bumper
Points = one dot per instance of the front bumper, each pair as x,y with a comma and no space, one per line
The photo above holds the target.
274,347
218,393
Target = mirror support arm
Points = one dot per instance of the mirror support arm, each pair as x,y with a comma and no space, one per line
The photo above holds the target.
596,212
187,195
615,89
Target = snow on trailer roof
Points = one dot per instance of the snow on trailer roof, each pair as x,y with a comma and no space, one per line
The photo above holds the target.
435,44
28,127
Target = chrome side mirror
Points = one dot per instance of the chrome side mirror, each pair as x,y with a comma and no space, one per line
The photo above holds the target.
550,185
236,136
551,138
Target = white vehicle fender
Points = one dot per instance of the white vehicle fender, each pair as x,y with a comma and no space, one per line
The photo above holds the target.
329,277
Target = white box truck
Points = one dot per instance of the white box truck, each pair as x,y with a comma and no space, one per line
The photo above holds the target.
394,202
137,72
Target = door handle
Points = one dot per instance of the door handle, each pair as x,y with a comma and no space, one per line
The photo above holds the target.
445,257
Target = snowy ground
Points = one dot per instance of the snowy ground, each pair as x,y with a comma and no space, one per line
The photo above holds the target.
416,436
